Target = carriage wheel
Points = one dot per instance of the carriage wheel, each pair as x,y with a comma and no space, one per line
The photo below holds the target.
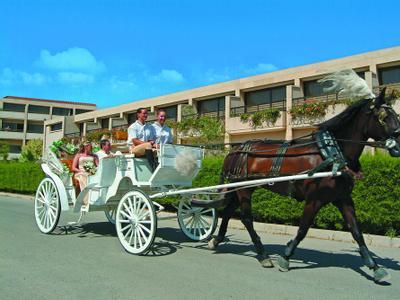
110,213
136,222
197,223
47,206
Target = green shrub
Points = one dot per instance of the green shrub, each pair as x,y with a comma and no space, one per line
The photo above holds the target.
20,177
4,151
32,151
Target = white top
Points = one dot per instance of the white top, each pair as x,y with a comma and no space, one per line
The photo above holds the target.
143,132
163,133
101,154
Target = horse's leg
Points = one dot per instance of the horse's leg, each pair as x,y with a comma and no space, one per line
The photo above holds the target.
346,207
310,210
227,213
247,220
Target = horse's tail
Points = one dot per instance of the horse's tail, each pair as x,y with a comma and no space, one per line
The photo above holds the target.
222,200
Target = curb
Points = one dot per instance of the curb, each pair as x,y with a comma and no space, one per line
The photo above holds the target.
278,229
20,196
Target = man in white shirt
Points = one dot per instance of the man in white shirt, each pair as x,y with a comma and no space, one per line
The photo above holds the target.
141,137
163,133
105,150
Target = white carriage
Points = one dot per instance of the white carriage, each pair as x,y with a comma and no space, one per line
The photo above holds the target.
124,188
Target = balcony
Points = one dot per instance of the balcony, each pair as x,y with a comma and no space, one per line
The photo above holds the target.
32,136
38,117
235,126
11,134
336,104
5,114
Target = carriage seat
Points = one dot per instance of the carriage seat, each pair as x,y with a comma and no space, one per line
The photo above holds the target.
105,174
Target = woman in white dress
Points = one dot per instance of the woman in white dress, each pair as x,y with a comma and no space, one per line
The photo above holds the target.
83,166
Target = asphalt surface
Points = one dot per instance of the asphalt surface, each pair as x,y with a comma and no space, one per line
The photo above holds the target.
89,262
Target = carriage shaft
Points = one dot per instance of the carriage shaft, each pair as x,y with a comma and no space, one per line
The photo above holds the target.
245,184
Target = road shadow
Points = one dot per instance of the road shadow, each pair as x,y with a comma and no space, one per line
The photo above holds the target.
309,258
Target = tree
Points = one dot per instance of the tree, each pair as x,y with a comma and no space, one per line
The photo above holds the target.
4,151
32,151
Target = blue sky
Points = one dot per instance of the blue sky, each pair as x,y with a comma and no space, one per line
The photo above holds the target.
114,52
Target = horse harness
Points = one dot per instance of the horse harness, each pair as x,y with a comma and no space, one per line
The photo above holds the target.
327,145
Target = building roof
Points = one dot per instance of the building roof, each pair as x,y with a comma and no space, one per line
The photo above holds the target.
47,100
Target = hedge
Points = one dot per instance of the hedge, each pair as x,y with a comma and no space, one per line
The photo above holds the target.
376,197
20,177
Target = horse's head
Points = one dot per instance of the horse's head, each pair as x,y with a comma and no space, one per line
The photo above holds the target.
384,123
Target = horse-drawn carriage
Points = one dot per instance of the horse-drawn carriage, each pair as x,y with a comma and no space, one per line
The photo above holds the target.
125,188
122,187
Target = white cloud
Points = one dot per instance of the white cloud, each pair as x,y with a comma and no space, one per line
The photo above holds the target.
170,76
74,78
118,84
12,77
72,59
261,68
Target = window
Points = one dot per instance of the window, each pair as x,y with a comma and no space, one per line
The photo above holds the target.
171,111
131,118
105,123
61,111
55,127
39,109
12,126
14,107
35,128
80,111
389,75
313,88
16,149
265,96
211,106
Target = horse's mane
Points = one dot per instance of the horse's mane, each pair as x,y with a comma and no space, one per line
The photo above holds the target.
344,117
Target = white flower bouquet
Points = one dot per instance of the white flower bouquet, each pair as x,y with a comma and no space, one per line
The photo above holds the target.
90,167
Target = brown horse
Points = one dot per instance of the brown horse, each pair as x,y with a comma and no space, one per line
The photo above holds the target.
368,118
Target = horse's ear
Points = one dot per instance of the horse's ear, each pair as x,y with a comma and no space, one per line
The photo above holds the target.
381,98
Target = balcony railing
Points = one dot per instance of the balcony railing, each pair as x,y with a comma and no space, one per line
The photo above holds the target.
237,111
73,135
12,129
212,114
389,88
322,98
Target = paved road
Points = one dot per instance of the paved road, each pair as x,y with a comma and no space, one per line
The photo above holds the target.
89,262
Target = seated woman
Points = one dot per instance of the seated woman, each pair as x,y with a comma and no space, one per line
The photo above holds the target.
84,165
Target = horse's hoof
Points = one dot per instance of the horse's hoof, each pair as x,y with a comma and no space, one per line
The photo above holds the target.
212,244
380,275
283,264
266,262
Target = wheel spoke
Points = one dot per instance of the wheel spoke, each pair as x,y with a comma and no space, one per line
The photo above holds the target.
140,238
125,214
144,221
127,209
130,205
124,221
206,211
145,237
125,228
135,239
143,217
130,237
128,232
188,222
145,228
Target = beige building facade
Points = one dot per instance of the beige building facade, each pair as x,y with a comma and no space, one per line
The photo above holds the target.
282,90
22,119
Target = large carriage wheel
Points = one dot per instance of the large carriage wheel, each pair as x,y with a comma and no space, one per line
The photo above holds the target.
47,206
111,213
136,222
197,223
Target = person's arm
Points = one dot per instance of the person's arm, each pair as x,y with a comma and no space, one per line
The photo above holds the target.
96,160
75,164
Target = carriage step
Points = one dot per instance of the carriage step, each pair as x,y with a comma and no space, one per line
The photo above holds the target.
208,203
